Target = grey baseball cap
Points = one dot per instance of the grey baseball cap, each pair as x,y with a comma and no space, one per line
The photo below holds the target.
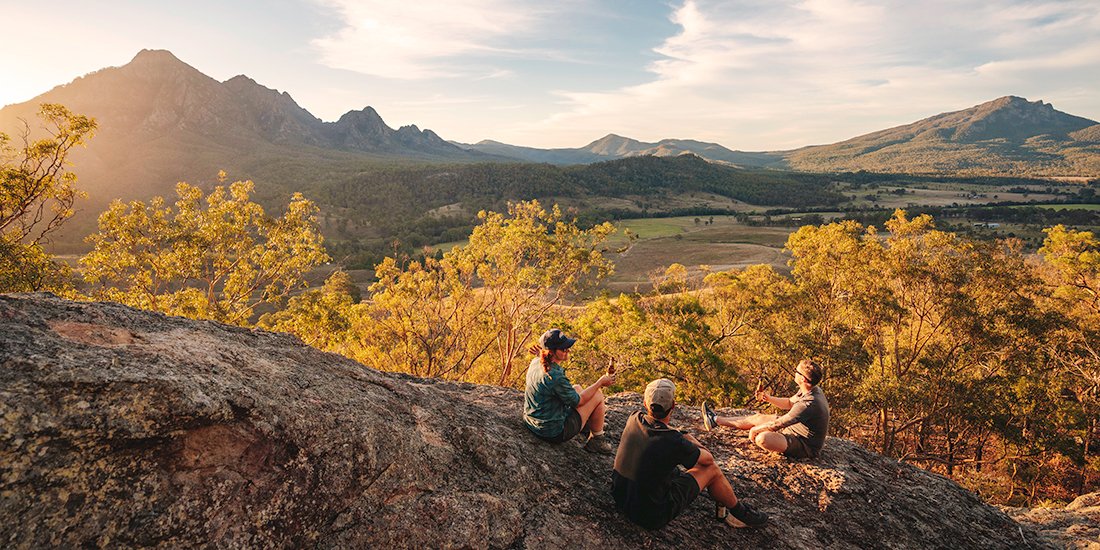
660,396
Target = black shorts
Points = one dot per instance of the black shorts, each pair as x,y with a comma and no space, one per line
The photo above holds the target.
681,493
797,447
571,428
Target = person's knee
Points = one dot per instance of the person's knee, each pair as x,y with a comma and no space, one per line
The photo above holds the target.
705,474
764,442
705,460
771,442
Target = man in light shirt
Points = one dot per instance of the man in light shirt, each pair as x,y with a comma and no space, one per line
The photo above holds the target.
800,433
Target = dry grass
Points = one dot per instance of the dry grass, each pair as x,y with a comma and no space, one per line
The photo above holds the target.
720,246
942,197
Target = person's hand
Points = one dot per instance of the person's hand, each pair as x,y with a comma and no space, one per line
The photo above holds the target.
534,349
606,380
762,396
755,431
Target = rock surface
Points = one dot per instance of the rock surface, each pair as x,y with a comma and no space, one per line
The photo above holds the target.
1075,526
123,428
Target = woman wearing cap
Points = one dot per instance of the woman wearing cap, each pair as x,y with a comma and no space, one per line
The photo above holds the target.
554,409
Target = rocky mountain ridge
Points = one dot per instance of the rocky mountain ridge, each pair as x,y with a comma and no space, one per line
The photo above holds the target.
156,96
614,147
161,121
126,428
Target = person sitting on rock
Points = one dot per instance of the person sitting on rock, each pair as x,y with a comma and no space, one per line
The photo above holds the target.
798,434
647,484
554,409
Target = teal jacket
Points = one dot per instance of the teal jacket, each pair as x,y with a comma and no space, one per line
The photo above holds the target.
548,399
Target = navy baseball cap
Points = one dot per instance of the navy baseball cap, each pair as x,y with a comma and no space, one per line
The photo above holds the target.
556,339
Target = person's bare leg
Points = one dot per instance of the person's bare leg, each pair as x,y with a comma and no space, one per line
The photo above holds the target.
744,422
771,441
595,409
711,478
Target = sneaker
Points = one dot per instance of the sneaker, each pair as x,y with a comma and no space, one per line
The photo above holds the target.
744,515
598,444
710,420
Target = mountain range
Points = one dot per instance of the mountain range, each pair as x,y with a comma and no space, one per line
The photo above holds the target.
1006,136
611,147
158,108
162,121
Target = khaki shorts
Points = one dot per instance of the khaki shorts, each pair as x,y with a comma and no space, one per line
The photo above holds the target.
797,447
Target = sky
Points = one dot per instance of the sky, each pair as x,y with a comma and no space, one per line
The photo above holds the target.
752,75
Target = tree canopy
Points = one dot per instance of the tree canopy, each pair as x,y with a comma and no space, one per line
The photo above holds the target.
37,192
215,257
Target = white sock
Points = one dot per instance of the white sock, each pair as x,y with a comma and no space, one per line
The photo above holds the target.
597,434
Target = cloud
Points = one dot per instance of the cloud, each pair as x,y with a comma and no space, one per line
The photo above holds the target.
786,73
417,39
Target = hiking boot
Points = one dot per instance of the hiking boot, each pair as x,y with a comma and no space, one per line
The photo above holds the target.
710,420
744,515
598,444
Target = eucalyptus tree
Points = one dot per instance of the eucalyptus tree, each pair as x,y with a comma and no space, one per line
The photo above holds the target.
37,194
217,256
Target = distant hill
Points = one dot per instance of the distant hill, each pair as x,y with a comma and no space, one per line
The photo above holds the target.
1009,136
1006,136
612,147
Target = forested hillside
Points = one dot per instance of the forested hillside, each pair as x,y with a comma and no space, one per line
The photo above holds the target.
409,202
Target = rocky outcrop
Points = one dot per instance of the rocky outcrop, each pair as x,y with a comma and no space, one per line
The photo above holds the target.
123,428
365,131
1077,525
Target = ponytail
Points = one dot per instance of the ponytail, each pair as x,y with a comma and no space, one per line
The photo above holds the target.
545,356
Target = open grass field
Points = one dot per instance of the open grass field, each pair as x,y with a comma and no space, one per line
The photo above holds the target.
708,227
722,245
1068,206
637,268
891,197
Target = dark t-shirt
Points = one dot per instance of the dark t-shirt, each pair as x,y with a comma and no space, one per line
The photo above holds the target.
808,418
645,466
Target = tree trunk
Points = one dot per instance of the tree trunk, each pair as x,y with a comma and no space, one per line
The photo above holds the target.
887,437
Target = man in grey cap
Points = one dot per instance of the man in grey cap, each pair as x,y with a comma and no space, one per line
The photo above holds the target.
647,485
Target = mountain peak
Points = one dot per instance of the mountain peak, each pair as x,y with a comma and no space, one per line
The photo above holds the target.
1015,119
157,57
367,115
1007,100
616,146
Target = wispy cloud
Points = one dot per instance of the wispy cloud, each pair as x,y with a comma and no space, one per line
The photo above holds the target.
417,39
792,72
